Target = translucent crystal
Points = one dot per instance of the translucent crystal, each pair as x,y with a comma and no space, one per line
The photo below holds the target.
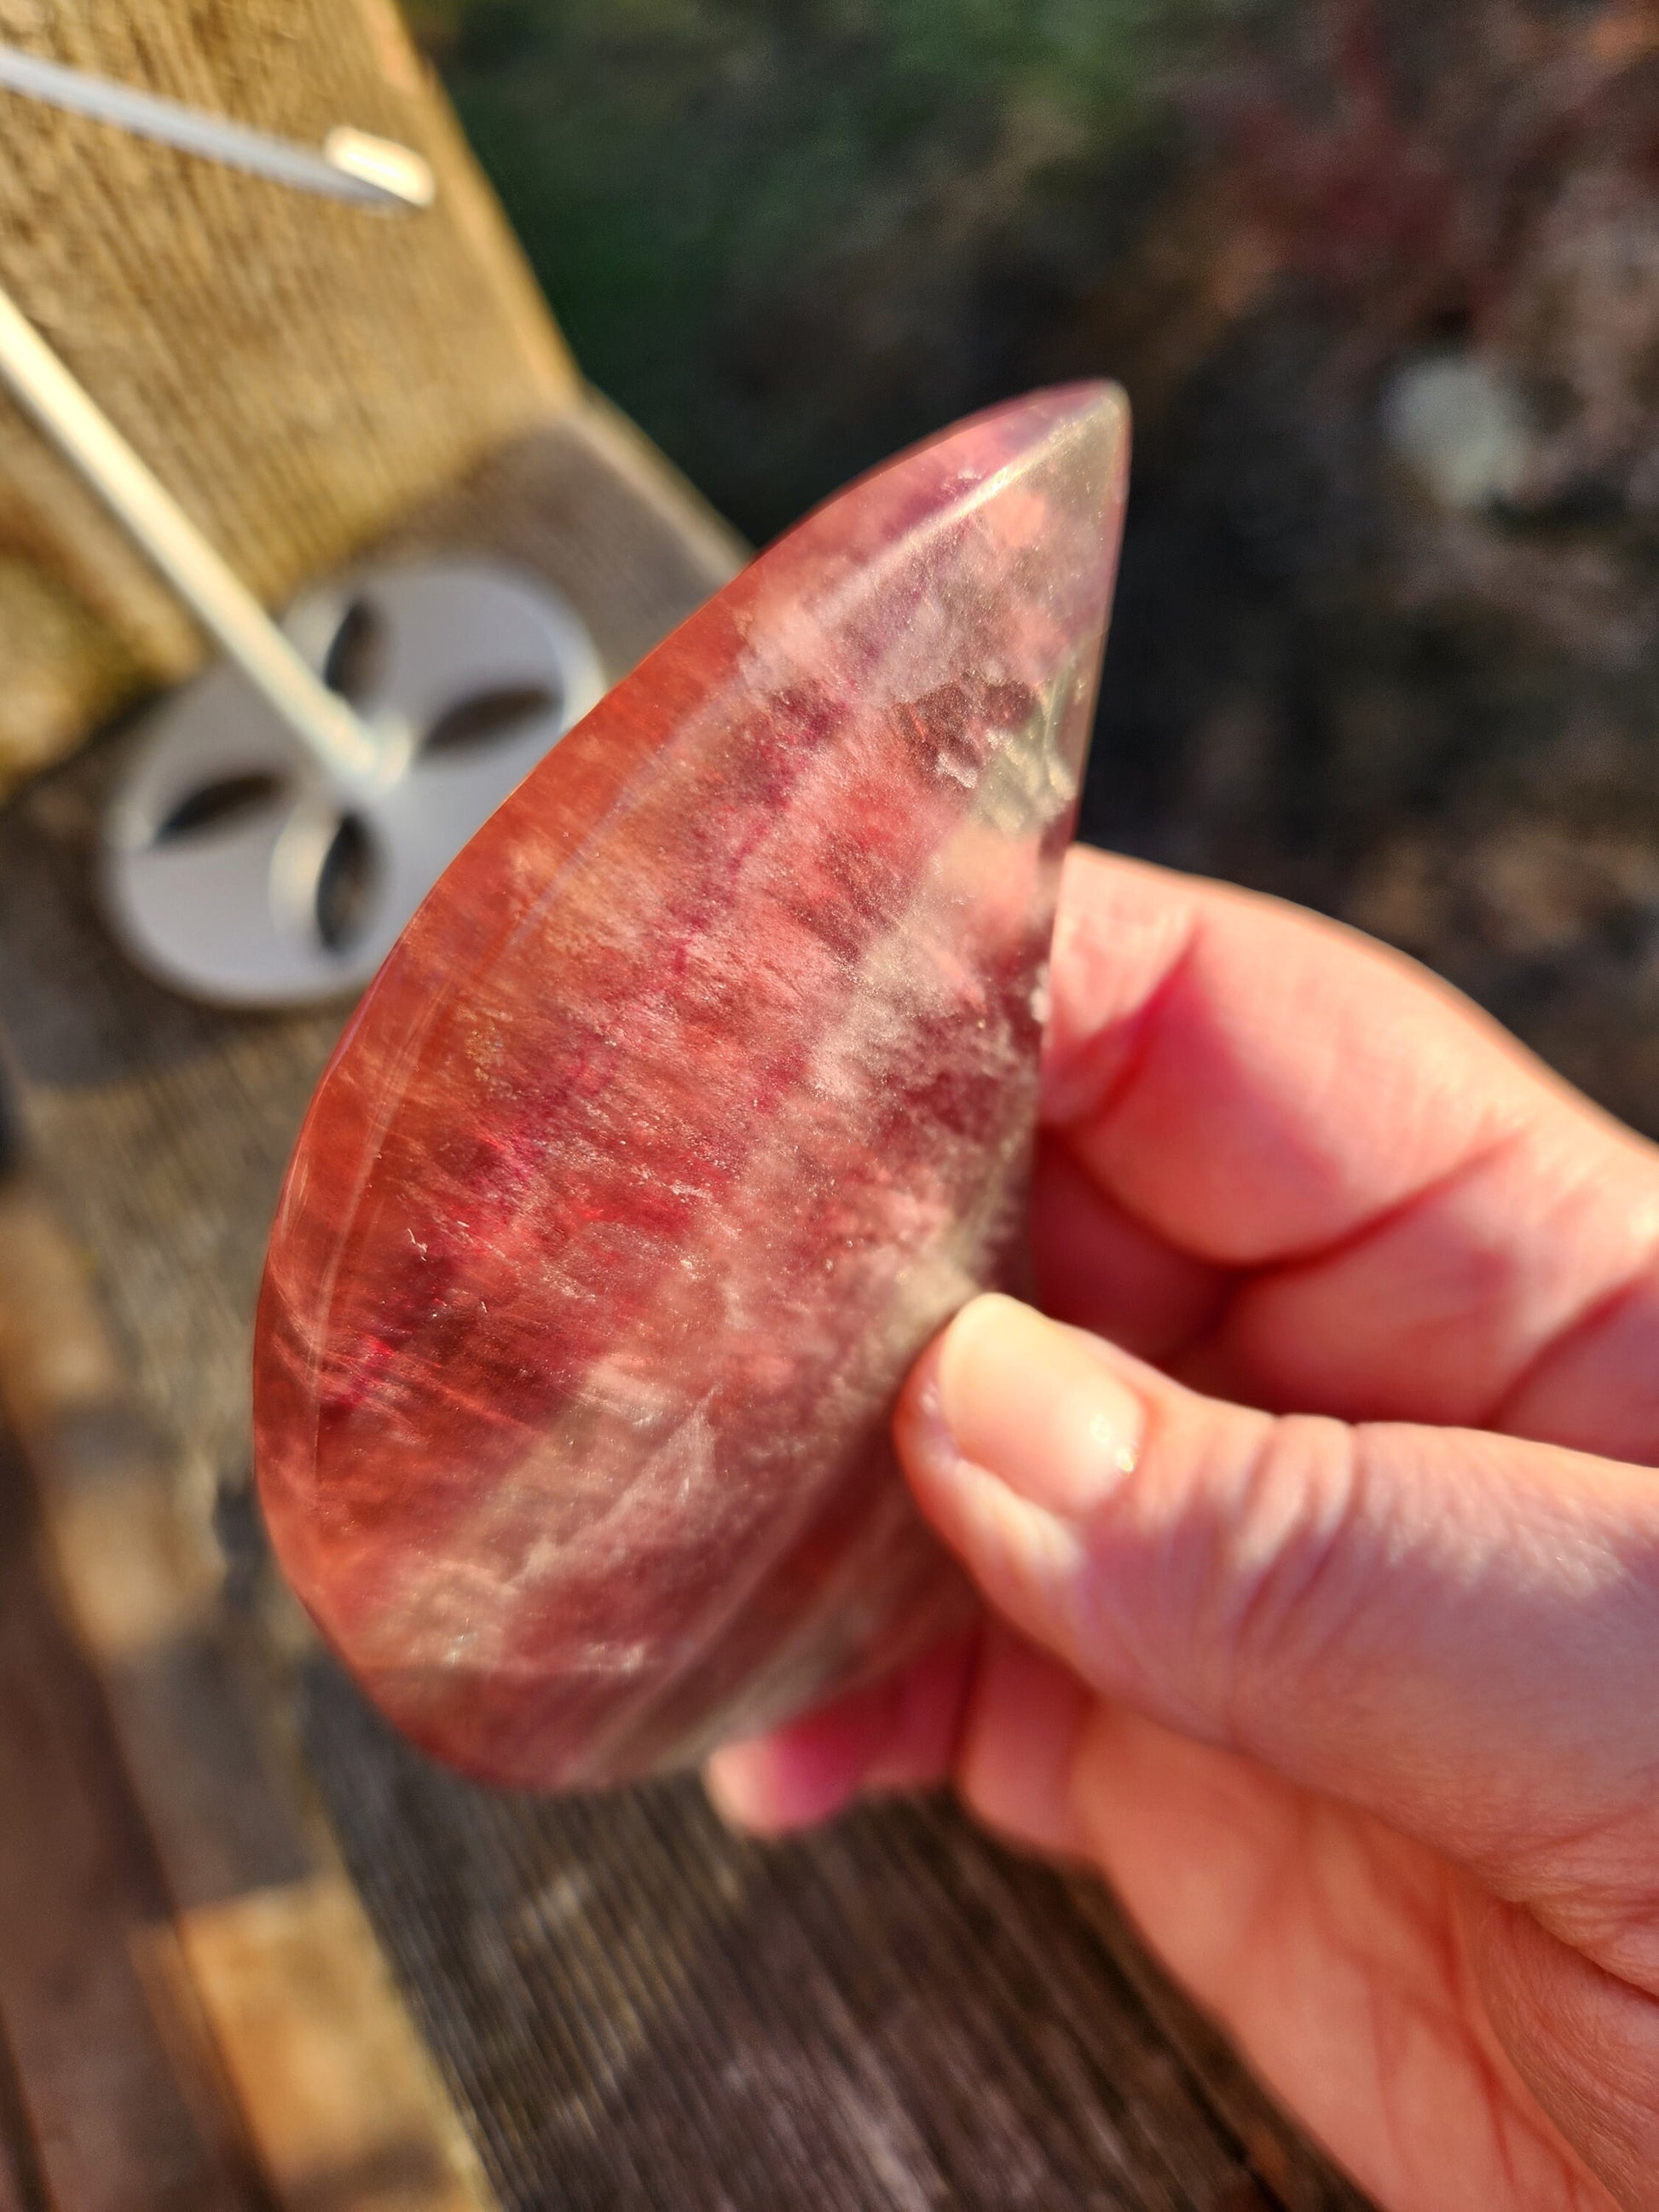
697,1095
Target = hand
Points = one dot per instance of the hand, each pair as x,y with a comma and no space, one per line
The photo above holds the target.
1354,1699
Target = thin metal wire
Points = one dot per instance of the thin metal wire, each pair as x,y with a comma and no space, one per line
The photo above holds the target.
351,165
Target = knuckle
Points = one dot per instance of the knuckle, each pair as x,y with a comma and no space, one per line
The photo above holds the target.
1290,1560
1224,1572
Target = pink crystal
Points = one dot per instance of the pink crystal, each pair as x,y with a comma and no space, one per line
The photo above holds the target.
696,1097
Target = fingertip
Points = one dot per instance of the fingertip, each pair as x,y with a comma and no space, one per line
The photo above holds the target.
759,1789
1019,1553
900,1733
1053,1414
918,1423
803,1772
1122,929
926,1424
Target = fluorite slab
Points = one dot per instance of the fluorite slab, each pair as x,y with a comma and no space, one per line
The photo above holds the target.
697,1095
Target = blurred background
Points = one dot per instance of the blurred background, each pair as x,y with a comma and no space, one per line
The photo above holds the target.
1383,284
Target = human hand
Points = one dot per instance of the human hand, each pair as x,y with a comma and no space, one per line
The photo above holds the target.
1359,1721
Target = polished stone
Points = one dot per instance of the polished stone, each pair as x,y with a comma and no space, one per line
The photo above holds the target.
697,1095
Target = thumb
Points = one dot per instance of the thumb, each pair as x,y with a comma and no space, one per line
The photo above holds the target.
1444,1627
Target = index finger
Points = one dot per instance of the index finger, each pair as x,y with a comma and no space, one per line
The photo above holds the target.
1415,1218
1256,1083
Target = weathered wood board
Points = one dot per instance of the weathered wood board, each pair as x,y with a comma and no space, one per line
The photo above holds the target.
101,2117
195,2009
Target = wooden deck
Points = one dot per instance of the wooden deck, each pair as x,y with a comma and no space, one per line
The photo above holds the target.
254,1951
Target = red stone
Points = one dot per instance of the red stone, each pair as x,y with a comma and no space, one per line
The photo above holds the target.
696,1097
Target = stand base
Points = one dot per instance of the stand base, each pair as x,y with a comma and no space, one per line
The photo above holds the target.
236,870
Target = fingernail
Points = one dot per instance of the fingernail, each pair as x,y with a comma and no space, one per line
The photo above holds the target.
1036,1404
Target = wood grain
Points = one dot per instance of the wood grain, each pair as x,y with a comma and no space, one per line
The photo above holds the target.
892,2013
103,2083
22,2185
193,2007
336,2086
278,2025
297,372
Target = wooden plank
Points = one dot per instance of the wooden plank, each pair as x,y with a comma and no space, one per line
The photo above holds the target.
247,1945
893,2013
139,1579
23,2186
297,372
336,2087
98,2076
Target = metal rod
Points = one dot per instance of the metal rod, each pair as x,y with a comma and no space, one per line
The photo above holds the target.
352,165
339,739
